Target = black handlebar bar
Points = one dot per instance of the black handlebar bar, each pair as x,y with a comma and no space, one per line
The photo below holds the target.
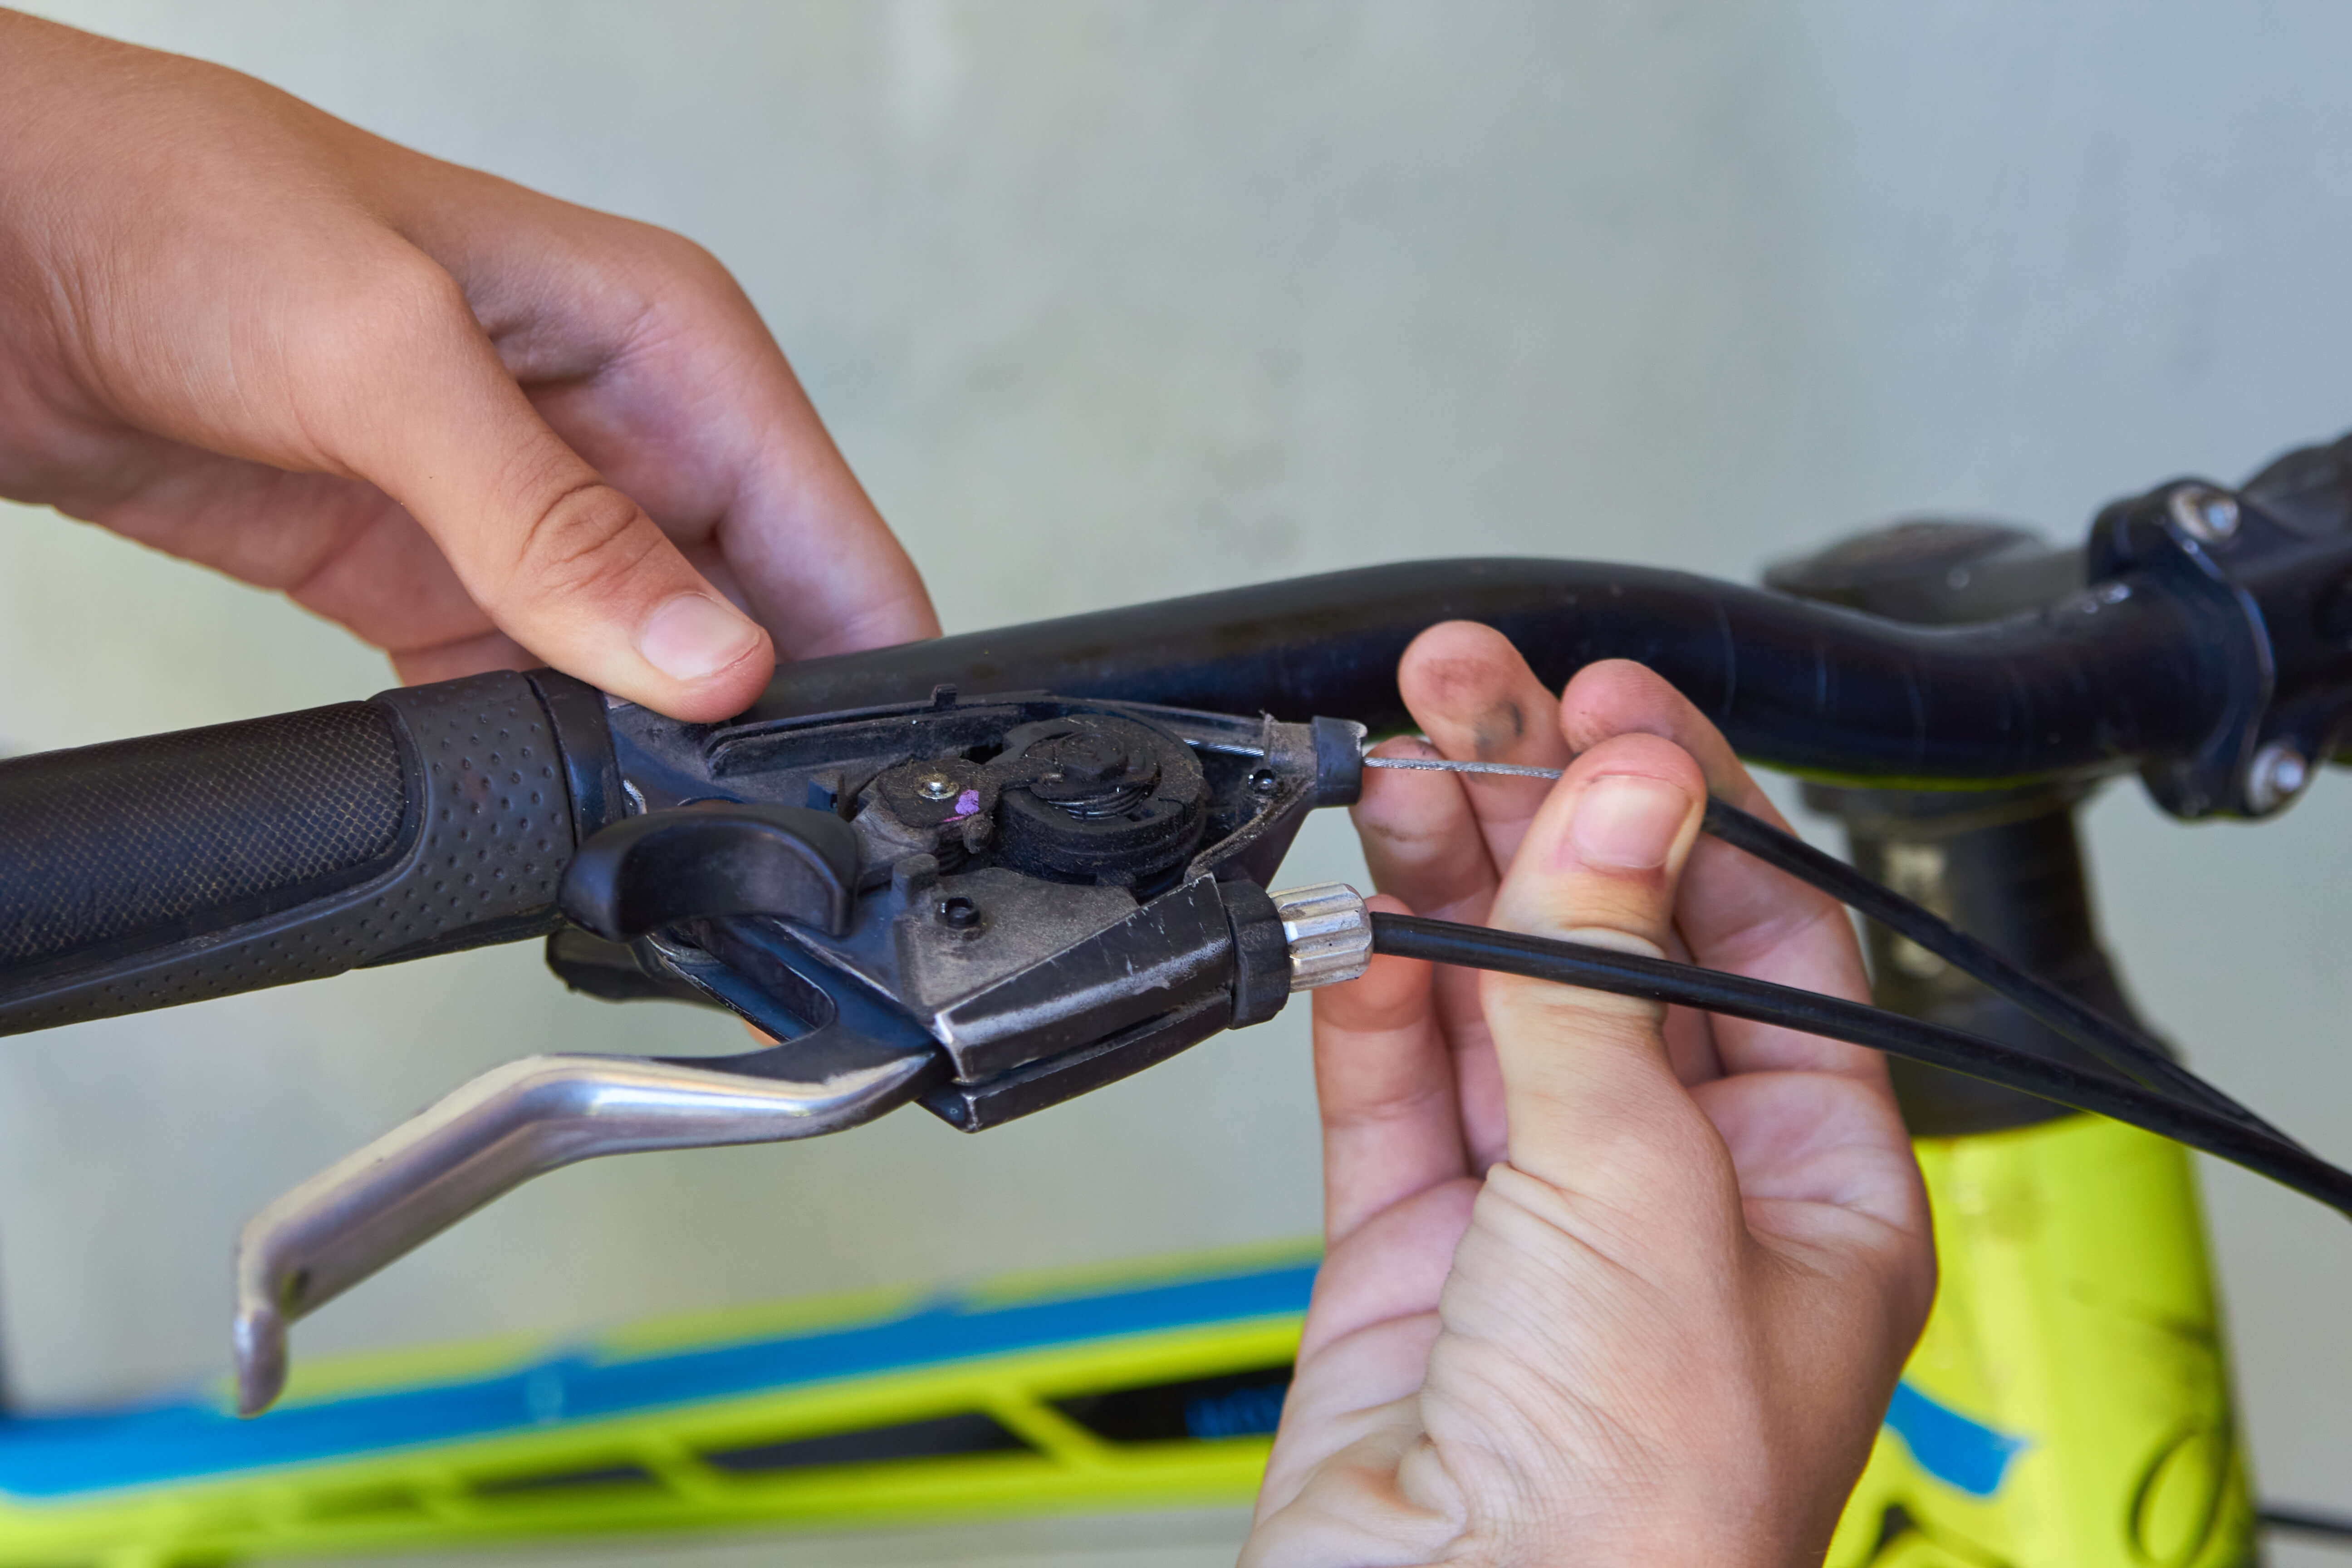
2096,683
2211,650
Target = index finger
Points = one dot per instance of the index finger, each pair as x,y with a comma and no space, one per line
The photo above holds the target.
1470,689
644,351
406,390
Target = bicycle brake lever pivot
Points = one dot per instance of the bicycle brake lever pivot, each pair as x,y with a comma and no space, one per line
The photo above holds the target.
987,907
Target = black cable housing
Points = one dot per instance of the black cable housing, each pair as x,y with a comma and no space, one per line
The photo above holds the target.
2124,1048
2303,1520
1738,996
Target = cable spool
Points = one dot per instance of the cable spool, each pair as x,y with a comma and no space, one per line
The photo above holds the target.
1099,798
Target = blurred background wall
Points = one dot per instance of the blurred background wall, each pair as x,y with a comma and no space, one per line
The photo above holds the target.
1107,301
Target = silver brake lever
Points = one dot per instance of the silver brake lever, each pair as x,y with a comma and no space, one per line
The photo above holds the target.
522,1120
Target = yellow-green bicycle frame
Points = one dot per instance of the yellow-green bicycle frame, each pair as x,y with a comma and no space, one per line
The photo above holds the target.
2068,1407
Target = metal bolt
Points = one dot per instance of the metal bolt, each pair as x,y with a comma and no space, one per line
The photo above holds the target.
959,913
2205,514
1265,781
935,787
2276,777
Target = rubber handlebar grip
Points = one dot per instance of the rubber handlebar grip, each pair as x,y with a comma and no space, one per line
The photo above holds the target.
177,867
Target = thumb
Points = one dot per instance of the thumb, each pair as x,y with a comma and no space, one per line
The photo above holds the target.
560,560
1592,1104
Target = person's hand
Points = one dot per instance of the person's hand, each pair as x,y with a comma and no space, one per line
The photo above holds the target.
1604,1284
480,427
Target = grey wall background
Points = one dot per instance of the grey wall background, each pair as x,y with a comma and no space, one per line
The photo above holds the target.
1107,301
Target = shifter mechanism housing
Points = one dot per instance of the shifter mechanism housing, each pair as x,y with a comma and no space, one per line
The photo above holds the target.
1048,887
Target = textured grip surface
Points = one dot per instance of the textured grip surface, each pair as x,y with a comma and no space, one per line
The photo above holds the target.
252,855
181,834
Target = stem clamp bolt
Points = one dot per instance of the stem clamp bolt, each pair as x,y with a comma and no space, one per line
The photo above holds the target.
2205,514
2275,776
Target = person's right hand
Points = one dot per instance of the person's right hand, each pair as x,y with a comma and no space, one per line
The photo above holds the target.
480,427
1604,1284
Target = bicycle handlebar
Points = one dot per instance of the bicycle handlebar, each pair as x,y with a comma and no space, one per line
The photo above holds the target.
2098,683
2211,650
148,873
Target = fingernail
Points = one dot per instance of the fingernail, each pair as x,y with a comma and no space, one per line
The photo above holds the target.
1626,823
694,635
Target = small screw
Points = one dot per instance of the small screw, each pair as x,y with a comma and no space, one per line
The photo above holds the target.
1264,781
935,787
2276,776
2204,515
959,913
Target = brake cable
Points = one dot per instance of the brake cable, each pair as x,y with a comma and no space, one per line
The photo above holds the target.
2146,1088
